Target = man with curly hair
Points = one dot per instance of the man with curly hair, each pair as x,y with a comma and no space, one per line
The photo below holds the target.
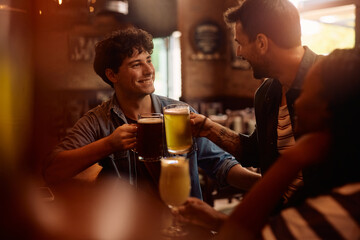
107,133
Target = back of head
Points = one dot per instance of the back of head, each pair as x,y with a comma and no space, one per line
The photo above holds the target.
341,77
120,44
278,19
340,73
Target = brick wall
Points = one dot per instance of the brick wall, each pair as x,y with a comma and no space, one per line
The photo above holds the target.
208,79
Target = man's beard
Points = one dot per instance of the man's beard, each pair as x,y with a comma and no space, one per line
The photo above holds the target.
260,71
258,74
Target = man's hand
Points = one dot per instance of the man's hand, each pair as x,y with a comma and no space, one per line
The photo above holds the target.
197,212
124,137
225,138
198,122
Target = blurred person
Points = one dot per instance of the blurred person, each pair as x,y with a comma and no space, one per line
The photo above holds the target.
327,115
111,209
268,36
327,112
107,133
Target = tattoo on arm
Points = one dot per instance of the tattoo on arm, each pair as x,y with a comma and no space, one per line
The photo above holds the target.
229,141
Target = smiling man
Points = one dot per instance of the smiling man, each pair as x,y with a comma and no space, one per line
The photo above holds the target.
268,36
107,133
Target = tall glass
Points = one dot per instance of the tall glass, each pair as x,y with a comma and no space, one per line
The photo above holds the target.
150,137
174,187
178,128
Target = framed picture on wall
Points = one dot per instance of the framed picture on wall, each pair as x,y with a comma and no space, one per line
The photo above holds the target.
206,38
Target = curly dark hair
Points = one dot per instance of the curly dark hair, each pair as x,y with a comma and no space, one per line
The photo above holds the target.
279,20
120,44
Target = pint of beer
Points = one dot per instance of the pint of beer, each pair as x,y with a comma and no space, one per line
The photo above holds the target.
150,137
178,128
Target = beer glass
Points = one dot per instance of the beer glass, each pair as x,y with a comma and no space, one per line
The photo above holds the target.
178,128
150,137
174,187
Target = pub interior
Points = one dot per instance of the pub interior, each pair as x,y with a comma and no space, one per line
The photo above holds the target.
47,83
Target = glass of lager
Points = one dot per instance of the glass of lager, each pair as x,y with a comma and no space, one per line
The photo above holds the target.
174,188
150,137
178,128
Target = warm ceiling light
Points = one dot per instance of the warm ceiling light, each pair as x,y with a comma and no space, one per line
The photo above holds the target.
60,2
118,6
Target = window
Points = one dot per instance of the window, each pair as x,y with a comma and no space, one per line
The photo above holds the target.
326,26
167,62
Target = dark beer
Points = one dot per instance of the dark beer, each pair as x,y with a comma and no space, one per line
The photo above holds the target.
150,139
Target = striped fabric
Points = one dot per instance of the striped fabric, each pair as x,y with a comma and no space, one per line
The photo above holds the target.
284,130
332,216
285,140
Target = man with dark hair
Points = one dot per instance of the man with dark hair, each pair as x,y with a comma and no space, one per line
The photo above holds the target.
106,134
269,37
268,17
120,45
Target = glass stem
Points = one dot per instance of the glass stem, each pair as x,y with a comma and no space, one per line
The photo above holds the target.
175,222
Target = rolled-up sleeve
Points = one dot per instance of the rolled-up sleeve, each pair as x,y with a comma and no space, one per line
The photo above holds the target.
214,161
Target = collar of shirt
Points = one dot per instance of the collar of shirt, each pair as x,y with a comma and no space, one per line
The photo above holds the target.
307,61
115,108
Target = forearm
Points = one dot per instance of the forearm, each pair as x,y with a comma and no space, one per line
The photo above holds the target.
223,137
242,178
68,163
251,215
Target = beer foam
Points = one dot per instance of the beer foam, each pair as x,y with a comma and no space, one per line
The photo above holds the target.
183,110
174,161
149,120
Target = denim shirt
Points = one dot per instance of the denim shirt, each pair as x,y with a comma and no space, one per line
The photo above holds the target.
102,120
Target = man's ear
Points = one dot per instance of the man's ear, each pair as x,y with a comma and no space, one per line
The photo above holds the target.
110,75
262,43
